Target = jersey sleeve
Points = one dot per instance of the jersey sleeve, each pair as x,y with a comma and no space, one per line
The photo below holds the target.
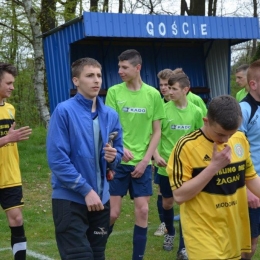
250,170
111,98
246,110
159,112
202,106
199,118
198,101
178,167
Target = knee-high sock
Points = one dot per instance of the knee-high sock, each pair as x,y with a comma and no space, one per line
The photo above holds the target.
18,242
181,241
168,219
160,207
139,242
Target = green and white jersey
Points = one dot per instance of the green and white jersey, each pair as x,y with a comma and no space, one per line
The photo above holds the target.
177,123
198,101
137,110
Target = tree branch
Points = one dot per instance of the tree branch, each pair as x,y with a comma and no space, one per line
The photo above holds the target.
184,8
18,31
19,3
61,2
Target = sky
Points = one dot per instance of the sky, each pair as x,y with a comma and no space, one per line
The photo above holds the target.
225,7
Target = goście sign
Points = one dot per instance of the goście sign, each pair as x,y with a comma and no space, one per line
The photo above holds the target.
185,28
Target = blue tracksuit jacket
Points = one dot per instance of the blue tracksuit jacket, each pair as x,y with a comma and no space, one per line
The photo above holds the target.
70,148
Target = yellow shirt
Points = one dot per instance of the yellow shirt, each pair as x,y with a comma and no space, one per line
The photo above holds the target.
10,175
215,222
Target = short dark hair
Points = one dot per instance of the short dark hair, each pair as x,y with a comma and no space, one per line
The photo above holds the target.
181,78
131,55
225,111
78,65
7,68
242,67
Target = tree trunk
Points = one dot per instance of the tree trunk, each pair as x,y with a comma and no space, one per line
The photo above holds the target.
70,10
38,62
14,43
184,7
254,41
212,7
120,8
151,4
197,7
47,15
93,6
105,6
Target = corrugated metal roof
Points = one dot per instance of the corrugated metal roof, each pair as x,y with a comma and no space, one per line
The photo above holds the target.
104,36
57,60
61,27
170,26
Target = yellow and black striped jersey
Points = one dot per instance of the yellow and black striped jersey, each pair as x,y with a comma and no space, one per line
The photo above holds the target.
10,175
215,222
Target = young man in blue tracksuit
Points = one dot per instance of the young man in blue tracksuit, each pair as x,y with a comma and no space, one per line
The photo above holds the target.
79,155
250,106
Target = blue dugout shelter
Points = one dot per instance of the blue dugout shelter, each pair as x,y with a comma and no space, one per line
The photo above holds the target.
200,45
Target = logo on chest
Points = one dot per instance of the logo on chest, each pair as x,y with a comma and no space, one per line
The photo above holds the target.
135,110
180,127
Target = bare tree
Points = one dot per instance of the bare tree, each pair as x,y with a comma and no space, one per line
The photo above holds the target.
69,12
197,7
105,6
150,5
254,15
184,8
212,7
39,71
14,44
93,6
47,15
121,4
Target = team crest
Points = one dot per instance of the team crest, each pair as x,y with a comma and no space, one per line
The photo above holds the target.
239,151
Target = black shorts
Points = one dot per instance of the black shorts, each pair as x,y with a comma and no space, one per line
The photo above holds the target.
165,186
155,176
11,197
254,216
80,234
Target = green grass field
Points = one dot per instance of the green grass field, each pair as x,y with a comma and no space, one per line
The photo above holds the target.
38,218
